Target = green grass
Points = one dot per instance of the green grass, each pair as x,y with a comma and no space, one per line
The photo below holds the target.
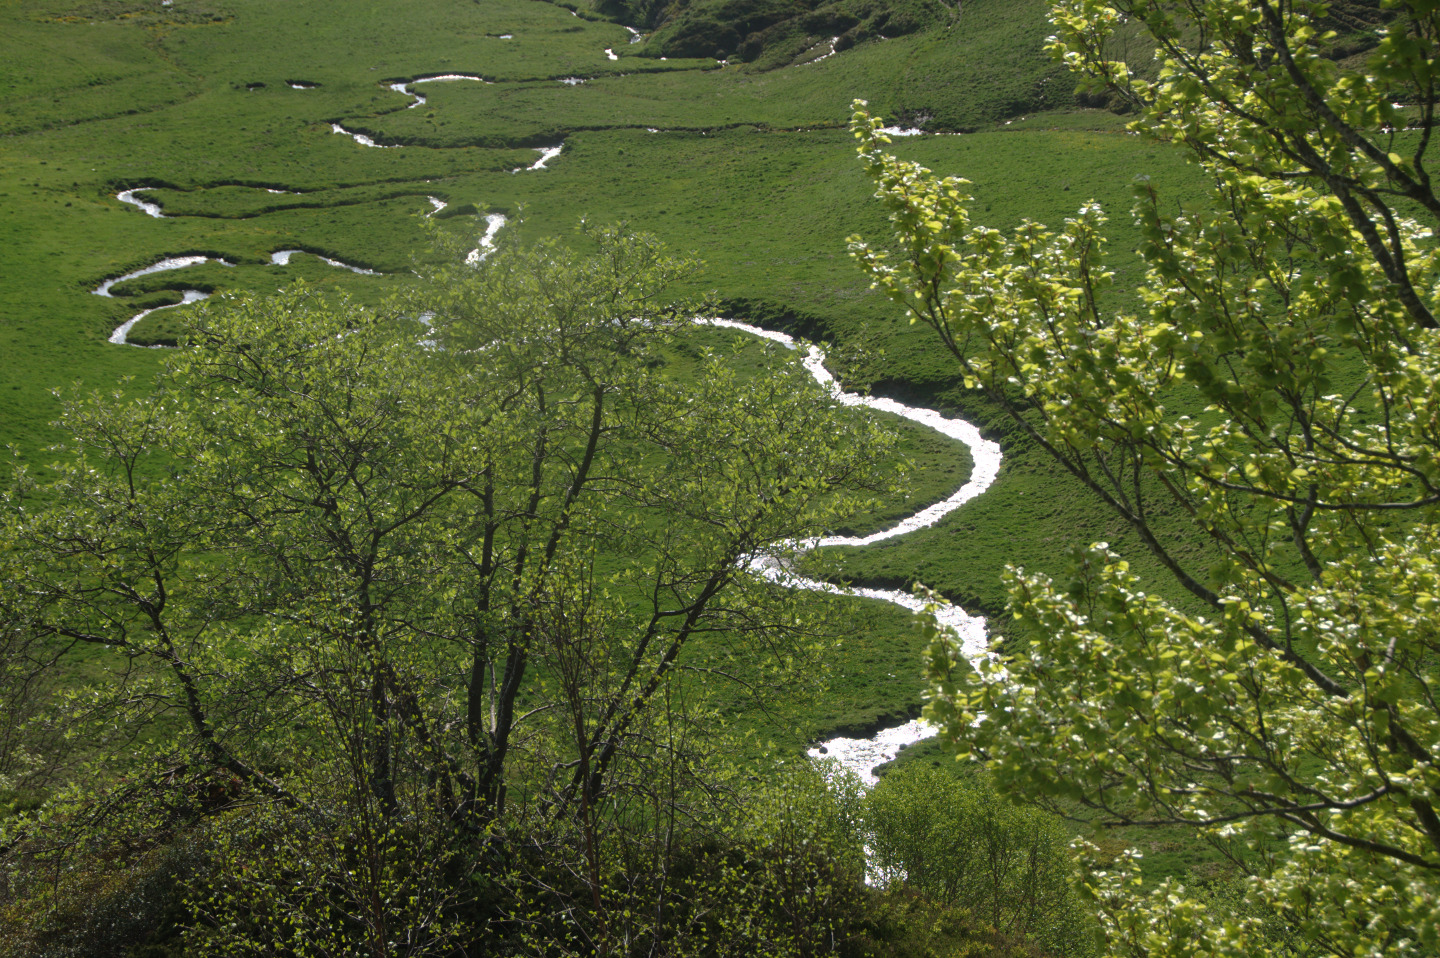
922,79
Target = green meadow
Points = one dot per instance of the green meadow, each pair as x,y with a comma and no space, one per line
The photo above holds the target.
223,113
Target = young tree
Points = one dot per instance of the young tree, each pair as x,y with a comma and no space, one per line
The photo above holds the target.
388,575
1288,710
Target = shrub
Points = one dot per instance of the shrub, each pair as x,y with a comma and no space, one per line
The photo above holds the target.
96,905
958,843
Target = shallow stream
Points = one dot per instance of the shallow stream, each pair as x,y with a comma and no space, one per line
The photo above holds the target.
862,756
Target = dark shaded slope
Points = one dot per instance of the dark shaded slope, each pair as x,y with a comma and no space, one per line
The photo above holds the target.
774,32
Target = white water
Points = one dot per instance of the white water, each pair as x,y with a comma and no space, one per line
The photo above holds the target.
279,258
354,269
118,337
123,330
450,78
419,100
574,81
826,56
153,209
131,197
863,755
361,138
610,54
547,153
493,222
416,99
174,262
635,36
282,258
913,131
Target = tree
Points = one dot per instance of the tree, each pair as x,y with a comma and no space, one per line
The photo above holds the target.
391,579
960,844
1284,703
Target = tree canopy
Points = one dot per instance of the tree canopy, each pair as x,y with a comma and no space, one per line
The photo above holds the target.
1270,395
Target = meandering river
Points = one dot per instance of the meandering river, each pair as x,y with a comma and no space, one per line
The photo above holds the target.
862,756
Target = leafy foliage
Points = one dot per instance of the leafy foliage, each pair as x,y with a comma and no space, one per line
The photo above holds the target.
1286,710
